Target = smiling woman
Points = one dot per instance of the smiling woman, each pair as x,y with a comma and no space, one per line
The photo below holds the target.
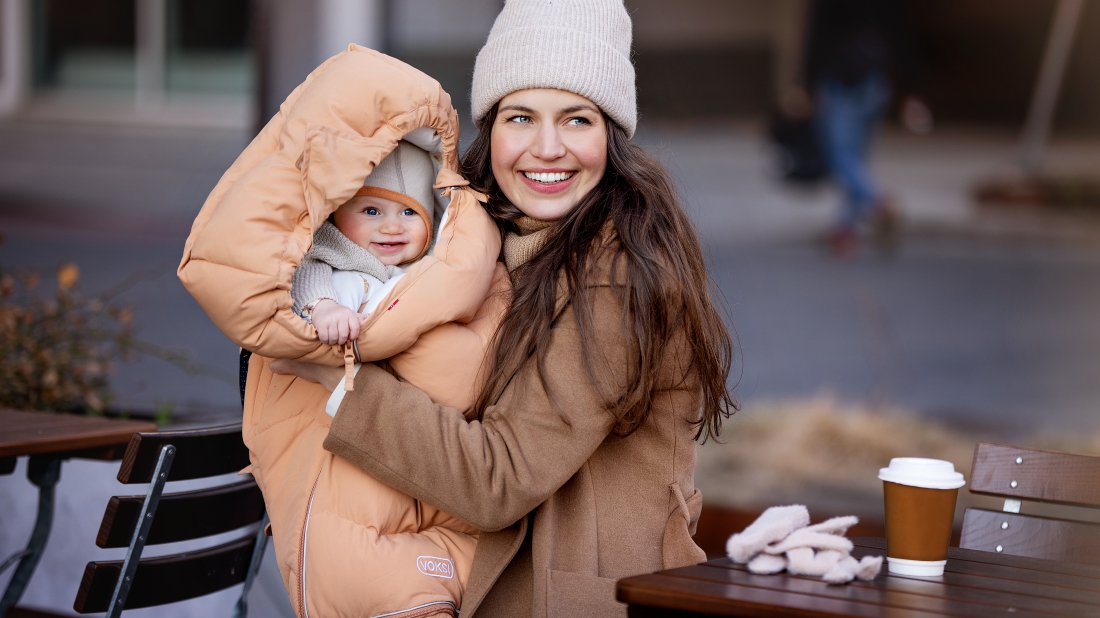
610,360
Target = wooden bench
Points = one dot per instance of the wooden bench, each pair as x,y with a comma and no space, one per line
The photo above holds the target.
1018,474
156,517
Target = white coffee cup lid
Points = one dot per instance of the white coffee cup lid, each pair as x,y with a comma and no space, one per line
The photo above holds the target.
920,472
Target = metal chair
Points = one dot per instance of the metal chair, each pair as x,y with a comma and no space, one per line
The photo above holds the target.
1018,474
156,517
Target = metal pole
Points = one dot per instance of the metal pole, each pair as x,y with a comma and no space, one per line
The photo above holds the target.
1044,101
151,52
241,610
14,29
141,532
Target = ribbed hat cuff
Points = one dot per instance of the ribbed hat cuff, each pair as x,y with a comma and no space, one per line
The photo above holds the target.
534,59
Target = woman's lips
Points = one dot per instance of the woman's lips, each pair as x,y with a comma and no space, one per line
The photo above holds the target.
554,186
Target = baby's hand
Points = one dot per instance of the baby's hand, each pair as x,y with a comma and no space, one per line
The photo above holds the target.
335,323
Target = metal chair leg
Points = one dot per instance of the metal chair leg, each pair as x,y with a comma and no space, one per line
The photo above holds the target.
44,471
241,610
141,532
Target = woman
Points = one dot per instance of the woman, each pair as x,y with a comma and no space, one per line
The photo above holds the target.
610,362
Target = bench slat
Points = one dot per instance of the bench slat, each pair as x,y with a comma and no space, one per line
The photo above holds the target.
199,453
166,580
185,515
1044,476
1026,535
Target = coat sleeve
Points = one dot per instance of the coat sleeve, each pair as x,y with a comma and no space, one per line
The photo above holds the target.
312,280
493,472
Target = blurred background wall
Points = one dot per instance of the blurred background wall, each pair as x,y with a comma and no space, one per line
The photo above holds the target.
226,63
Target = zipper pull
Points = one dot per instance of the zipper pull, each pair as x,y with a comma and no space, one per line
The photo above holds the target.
349,367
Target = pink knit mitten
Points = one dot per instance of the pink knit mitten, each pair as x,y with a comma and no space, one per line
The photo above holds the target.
774,524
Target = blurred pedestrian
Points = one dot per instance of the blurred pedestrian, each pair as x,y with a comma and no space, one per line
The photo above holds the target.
852,50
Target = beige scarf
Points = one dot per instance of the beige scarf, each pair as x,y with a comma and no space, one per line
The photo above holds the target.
518,248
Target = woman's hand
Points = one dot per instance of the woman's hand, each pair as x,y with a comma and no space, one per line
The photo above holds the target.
328,377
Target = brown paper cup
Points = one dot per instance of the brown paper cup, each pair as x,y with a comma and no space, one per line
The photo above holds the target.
919,518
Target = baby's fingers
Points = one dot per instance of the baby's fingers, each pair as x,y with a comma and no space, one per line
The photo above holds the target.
325,334
342,334
353,326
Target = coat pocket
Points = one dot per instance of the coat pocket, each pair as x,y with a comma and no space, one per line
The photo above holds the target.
677,547
572,595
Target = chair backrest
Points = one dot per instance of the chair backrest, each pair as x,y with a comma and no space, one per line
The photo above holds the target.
199,453
1018,474
176,517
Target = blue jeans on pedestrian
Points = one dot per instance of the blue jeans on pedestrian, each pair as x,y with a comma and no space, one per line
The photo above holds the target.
847,116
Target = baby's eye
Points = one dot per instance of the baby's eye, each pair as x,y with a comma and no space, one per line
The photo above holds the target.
409,212
371,210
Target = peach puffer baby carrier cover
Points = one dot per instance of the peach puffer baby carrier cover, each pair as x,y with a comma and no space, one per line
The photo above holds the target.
346,544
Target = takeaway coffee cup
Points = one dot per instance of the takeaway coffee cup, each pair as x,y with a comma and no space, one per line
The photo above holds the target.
920,508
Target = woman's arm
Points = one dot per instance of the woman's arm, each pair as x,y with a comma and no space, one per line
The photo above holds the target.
489,473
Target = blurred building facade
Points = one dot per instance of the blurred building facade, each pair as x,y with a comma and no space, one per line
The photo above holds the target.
166,93
226,63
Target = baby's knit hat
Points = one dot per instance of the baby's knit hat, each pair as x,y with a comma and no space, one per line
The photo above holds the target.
405,176
582,46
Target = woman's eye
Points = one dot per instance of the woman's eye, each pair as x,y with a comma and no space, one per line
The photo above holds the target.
578,121
520,119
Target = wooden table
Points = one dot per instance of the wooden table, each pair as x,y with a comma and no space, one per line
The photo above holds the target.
975,583
49,439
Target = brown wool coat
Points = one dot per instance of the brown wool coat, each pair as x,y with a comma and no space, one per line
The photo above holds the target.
566,508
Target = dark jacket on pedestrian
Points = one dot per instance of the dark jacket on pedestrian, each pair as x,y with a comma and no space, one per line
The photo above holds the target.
847,40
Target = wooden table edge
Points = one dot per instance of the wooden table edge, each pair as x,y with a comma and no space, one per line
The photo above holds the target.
109,432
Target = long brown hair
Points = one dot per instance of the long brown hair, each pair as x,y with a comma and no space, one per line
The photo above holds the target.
660,280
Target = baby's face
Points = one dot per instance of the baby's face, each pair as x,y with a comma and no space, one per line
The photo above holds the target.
389,231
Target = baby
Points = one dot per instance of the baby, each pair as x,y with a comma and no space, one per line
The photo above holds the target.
365,244
346,543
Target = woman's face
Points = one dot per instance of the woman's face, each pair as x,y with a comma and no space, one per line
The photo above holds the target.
549,149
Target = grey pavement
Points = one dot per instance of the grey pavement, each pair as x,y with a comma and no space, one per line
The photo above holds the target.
967,326
109,182
995,339
984,323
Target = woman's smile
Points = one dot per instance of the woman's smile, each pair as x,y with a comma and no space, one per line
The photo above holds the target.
549,181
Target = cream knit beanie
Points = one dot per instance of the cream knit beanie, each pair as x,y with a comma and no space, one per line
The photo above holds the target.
582,46
407,170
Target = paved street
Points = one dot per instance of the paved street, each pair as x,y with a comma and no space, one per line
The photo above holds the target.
988,325
973,328
976,334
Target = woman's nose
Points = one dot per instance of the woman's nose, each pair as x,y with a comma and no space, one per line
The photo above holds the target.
548,145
